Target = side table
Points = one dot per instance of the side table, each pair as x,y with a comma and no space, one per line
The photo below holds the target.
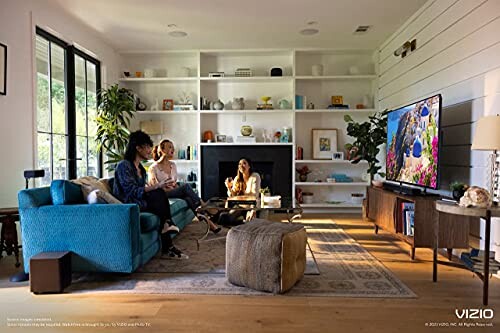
484,213
8,238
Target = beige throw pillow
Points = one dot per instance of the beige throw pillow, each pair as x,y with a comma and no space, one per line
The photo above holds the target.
96,190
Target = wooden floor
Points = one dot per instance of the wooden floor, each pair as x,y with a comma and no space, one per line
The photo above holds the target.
435,305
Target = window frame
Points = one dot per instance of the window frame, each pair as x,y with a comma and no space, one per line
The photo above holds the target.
70,105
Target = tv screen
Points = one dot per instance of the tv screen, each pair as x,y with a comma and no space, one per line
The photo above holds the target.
413,143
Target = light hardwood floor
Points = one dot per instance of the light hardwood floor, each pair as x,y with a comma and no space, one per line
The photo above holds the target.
436,302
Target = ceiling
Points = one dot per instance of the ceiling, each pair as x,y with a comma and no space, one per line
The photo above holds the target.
225,24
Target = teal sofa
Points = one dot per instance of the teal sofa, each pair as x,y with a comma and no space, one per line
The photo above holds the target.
102,237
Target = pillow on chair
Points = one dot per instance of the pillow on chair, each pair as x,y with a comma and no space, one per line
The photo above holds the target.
101,197
96,190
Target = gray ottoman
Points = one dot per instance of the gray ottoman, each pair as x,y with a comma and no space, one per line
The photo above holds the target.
267,256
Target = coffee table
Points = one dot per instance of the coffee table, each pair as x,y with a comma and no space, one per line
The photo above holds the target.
216,205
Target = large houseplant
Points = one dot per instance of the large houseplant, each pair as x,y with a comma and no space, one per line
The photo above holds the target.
116,108
369,135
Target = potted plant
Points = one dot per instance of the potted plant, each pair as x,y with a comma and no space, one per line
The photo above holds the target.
264,192
303,172
458,189
369,135
116,108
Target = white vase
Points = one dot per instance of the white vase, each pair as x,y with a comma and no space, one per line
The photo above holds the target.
148,72
317,70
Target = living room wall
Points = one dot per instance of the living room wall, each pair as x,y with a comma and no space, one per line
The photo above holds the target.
457,55
17,132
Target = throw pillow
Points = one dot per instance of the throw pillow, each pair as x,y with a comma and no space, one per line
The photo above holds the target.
96,190
64,192
101,197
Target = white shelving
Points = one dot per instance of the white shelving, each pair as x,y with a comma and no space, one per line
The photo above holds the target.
331,184
350,74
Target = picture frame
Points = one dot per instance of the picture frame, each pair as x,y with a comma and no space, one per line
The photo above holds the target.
337,155
337,100
3,69
168,104
220,138
324,143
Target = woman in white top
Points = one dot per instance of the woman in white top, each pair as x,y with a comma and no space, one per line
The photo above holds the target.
246,182
164,170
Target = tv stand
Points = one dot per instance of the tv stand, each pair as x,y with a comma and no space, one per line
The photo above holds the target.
385,211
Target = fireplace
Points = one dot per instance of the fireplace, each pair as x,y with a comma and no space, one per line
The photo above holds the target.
272,162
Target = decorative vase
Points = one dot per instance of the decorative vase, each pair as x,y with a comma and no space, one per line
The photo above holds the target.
303,178
317,70
218,105
457,194
246,130
284,104
238,103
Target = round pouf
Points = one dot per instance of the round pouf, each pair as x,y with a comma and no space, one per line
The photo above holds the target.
266,256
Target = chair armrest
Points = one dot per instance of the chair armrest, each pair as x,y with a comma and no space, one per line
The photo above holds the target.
103,235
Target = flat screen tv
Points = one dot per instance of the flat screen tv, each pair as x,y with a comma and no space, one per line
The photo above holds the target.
413,143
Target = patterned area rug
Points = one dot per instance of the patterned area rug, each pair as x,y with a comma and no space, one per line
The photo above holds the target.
346,269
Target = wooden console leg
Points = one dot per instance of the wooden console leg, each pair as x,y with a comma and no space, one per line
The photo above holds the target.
450,254
412,253
376,229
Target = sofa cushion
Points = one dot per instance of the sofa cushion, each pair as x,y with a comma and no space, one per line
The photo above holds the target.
101,197
64,192
177,205
149,222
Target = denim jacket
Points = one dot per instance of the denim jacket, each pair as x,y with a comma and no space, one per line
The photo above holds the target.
128,186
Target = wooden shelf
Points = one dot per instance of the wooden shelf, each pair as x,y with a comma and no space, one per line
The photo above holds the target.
336,77
336,111
245,111
328,162
245,144
158,79
247,79
331,184
166,112
327,205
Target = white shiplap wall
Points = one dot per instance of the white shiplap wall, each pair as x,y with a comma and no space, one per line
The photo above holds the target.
458,56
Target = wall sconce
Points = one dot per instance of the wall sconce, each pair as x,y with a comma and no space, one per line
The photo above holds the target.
406,48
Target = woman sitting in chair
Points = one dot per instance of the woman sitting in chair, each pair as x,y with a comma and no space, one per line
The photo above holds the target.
247,183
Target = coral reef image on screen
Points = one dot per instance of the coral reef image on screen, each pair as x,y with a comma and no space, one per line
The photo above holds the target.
413,143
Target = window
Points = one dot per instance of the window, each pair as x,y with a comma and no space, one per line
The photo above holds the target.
67,82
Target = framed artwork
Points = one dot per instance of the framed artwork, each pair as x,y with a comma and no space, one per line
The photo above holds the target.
3,69
221,138
168,104
324,143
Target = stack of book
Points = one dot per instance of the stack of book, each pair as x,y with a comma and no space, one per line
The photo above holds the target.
475,261
408,218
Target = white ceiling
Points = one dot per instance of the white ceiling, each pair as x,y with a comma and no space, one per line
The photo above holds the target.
225,24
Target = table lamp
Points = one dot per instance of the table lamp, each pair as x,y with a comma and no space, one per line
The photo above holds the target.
487,137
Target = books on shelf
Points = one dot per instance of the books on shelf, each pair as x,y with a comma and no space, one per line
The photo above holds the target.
474,260
300,102
408,218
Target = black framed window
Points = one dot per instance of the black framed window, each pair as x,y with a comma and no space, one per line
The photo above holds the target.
67,81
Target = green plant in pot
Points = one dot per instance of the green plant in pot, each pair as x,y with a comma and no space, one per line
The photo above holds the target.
369,136
116,108
458,189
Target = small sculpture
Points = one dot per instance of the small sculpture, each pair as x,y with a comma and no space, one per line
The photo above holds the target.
475,197
246,130
238,103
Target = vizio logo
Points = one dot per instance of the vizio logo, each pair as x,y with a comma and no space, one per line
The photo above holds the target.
474,313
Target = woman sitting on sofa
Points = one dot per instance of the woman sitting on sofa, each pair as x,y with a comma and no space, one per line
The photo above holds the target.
130,187
164,170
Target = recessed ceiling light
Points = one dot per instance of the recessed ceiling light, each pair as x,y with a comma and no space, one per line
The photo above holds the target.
177,33
312,22
309,32
172,25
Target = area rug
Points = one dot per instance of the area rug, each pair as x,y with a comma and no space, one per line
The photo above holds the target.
346,269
